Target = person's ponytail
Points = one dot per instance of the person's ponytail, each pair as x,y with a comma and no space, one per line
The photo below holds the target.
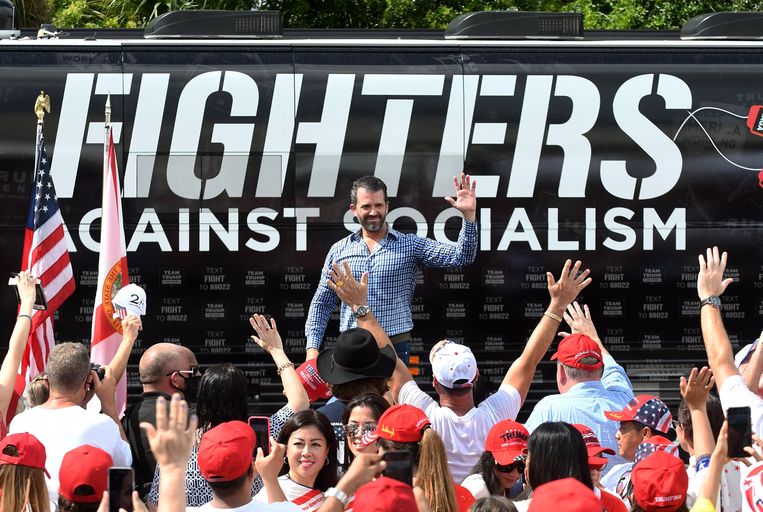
434,474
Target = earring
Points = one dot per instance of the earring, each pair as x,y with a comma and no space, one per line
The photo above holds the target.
285,460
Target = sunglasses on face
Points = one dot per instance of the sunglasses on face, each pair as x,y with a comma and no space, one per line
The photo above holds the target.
194,370
352,429
517,465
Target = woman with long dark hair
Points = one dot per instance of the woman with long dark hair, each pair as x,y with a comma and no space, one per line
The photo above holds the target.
502,464
360,418
222,396
555,450
310,465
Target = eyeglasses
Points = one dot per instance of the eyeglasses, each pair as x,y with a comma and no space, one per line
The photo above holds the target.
193,371
675,424
352,428
518,465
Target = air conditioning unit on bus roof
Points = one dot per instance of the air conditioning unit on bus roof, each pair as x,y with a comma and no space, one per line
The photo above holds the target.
724,25
211,24
515,25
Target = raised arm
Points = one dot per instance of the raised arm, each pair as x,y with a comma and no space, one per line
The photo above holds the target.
752,372
355,293
710,283
694,391
580,321
466,197
18,341
323,303
562,293
131,325
270,340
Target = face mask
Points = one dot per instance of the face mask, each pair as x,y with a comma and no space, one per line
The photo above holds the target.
191,387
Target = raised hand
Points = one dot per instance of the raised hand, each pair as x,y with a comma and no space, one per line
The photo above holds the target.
571,282
349,290
695,389
466,198
131,325
268,336
710,280
27,289
579,321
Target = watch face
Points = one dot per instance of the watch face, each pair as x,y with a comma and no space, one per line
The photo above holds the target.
362,311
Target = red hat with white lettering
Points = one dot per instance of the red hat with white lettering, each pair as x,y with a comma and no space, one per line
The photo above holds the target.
576,347
316,387
593,447
507,440
568,494
660,482
402,423
225,452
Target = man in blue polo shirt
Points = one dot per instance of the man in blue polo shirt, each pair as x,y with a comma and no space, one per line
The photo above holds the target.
393,261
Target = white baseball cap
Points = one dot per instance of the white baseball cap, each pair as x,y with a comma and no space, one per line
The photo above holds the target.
454,366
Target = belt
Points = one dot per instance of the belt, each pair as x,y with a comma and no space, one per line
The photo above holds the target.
400,338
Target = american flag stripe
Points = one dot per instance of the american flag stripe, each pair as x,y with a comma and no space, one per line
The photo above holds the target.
47,258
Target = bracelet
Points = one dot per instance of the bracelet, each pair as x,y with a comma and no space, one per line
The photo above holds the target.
24,315
552,316
282,367
340,495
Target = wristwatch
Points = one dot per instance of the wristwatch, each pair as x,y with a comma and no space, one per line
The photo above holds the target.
361,311
338,494
712,300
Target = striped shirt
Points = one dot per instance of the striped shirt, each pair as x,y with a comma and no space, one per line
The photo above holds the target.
393,267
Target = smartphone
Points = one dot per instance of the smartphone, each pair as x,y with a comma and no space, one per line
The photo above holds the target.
39,300
740,431
121,485
261,427
399,466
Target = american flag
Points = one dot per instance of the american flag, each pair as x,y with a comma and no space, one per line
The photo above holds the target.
47,258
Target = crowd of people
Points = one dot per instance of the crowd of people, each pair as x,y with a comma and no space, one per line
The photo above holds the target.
378,443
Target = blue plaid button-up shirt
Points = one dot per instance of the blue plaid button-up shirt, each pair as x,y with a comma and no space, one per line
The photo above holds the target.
392,268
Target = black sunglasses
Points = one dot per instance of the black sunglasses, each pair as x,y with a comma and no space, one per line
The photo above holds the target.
518,465
351,429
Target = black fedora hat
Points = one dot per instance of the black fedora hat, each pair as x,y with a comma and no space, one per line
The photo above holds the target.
355,356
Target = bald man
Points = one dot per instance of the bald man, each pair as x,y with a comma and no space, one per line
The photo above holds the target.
164,369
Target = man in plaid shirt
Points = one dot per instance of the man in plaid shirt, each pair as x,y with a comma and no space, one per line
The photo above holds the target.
393,261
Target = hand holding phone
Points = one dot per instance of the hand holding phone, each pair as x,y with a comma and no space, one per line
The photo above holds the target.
399,466
121,485
261,427
740,431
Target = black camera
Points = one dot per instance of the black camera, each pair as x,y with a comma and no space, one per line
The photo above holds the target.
99,370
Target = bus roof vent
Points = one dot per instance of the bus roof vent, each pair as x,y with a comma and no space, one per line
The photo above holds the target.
215,24
515,25
724,25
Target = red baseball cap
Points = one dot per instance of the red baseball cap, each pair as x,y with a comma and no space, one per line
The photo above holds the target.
316,387
575,347
593,446
31,451
506,441
385,494
402,423
647,410
84,465
575,496
660,482
225,452
464,498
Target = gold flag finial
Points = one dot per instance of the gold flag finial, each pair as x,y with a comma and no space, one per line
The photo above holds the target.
41,106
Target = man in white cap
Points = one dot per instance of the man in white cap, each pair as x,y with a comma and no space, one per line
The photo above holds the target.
463,425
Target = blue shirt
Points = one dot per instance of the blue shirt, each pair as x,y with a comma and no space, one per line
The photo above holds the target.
585,403
392,267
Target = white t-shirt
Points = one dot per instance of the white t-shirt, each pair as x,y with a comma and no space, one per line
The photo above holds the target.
476,485
616,481
62,430
464,436
252,506
730,492
733,393
306,498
